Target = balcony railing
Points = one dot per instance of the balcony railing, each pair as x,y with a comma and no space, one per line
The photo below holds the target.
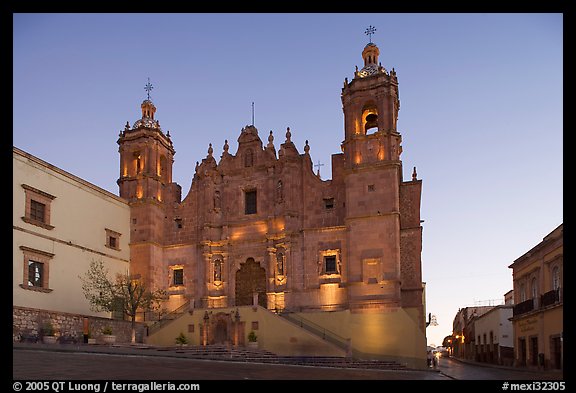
547,299
523,307
550,297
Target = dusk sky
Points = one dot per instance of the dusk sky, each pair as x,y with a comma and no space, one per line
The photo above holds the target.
481,112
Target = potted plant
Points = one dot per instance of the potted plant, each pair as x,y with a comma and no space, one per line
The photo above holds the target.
107,335
48,336
91,340
252,340
181,340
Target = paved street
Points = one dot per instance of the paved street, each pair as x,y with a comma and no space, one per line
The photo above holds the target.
51,365
459,370
41,362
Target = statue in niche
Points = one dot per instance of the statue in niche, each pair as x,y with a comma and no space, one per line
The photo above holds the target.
280,263
218,270
279,192
217,202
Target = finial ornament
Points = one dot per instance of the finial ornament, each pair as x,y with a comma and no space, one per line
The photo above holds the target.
148,88
307,147
414,174
270,140
288,134
226,147
210,150
369,31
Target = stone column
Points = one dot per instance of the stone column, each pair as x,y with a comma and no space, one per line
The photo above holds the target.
205,329
236,328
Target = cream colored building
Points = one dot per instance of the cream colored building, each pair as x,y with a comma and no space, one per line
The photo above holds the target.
60,224
539,303
494,336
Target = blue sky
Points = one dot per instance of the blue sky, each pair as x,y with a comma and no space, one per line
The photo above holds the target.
481,112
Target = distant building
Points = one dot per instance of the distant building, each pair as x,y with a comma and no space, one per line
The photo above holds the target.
538,311
60,224
464,333
494,336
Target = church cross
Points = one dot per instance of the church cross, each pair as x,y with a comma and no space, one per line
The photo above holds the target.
318,166
148,88
369,31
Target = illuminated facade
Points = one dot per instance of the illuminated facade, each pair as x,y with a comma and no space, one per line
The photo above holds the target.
259,226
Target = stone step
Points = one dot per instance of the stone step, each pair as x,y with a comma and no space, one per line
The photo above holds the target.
244,354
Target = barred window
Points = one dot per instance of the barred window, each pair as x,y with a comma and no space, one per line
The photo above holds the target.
35,274
37,210
330,264
178,277
37,207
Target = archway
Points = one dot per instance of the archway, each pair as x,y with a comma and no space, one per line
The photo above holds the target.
250,278
221,332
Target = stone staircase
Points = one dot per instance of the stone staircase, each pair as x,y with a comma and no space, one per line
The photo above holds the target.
243,354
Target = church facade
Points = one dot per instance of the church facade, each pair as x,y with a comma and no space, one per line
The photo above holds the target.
258,226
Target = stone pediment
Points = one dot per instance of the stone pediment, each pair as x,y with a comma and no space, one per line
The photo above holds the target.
249,134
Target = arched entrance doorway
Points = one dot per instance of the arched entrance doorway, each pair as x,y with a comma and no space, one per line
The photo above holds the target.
221,332
250,278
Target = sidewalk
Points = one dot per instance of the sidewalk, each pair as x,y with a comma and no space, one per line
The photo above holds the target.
544,373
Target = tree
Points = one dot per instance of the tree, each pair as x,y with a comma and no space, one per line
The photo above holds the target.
447,342
124,293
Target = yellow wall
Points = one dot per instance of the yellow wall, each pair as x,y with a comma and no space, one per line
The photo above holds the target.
390,335
79,213
387,336
275,333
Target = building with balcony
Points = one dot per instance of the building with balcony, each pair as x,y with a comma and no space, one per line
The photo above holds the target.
538,312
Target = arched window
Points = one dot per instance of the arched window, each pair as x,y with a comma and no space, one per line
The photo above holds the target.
162,169
555,278
138,162
534,288
370,118
522,293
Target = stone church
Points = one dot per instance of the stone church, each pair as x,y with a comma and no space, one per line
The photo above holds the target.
258,226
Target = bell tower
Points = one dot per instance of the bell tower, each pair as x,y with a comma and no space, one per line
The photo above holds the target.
146,158
382,212
370,103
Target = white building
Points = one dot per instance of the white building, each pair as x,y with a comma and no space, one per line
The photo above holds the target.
495,336
60,224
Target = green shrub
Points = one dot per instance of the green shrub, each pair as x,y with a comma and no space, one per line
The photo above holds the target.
181,339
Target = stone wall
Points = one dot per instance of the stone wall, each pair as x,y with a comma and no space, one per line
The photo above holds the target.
30,321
